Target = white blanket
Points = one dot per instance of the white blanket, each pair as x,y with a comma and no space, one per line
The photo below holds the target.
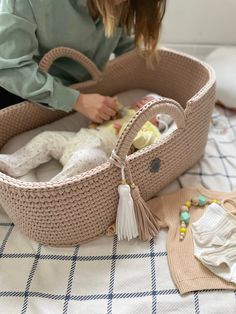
107,276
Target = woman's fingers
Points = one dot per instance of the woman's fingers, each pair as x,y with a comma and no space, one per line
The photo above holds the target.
105,116
109,111
98,120
111,102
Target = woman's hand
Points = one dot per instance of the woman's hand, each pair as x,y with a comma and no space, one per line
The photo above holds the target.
96,107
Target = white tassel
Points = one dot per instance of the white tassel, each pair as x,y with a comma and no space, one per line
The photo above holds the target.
126,224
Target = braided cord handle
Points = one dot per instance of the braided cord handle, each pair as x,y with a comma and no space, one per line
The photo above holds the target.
61,52
151,109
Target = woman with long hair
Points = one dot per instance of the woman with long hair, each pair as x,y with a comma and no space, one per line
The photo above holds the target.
97,28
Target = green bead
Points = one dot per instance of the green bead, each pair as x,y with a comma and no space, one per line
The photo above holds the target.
185,216
202,200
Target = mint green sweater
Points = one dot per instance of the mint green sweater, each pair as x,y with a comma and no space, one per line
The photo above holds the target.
30,28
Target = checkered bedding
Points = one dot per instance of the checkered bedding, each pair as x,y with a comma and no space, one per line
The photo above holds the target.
107,276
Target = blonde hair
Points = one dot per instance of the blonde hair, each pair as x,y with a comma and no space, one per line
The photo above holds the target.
141,17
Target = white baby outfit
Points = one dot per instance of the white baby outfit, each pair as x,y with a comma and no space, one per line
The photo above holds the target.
214,237
77,152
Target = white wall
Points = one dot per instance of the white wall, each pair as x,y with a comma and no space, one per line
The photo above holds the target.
211,22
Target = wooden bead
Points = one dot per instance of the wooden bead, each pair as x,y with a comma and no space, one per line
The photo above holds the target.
194,201
183,208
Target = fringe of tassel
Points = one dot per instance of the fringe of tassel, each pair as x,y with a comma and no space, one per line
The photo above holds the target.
134,218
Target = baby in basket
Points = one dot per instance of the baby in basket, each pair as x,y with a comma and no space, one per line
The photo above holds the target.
79,151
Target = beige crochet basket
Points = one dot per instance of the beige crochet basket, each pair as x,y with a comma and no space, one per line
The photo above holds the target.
81,208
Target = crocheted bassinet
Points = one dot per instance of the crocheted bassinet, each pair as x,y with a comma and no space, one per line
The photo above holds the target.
81,208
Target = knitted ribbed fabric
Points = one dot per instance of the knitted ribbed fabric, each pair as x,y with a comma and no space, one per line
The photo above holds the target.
215,241
186,270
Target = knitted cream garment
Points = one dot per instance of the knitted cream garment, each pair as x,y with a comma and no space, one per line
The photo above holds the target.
214,236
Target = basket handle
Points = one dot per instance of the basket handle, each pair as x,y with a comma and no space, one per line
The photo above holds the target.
60,52
149,110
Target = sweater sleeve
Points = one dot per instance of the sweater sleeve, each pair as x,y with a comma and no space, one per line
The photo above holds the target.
19,73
